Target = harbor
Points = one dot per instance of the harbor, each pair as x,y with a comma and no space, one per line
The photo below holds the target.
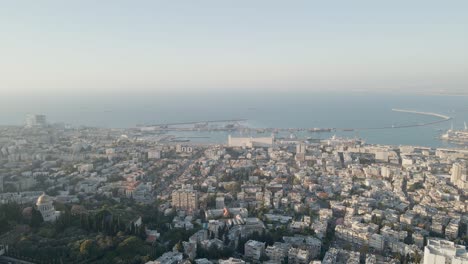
459,137
238,124
216,130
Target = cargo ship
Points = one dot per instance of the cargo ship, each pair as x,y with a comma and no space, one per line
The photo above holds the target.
315,129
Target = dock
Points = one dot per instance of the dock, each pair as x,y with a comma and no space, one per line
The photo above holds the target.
422,113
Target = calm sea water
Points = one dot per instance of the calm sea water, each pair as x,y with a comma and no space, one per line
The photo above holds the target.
284,110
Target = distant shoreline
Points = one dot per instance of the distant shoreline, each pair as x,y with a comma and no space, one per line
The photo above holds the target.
444,94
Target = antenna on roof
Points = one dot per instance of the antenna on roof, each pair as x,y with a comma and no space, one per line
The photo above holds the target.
466,128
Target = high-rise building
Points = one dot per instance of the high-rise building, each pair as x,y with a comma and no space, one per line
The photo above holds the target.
300,148
36,121
452,229
300,152
220,202
185,199
440,251
459,176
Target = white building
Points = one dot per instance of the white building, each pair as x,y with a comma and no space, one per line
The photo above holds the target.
203,261
36,121
277,252
168,258
298,256
154,154
231,261
444,252
250,142
184,149
83,168
459,176
45,206
254,249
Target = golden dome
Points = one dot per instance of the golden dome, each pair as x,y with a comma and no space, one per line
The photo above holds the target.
43,199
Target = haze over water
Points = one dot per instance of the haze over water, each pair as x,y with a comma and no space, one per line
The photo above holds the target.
275,63
263,110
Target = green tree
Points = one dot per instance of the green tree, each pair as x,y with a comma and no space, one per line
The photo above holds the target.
130,246
87,248
36,218
179,247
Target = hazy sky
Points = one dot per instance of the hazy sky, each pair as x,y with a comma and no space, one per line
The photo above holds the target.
102,46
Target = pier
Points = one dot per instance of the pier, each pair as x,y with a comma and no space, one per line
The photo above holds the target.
185,126
444,118
422,113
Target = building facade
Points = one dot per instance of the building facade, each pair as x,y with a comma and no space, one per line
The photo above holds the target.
45,206
36,121
250,142
254,249
185,200
459,174
444,252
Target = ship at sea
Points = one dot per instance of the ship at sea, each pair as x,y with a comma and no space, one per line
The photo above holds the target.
456,136
316,129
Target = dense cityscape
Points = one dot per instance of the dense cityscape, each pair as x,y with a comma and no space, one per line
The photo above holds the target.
101,195
234,132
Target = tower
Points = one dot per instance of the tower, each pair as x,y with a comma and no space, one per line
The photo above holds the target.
300,148
36,121
459,176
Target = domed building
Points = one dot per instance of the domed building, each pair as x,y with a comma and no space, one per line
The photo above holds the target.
47,209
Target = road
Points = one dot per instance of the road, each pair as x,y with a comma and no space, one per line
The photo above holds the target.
163,188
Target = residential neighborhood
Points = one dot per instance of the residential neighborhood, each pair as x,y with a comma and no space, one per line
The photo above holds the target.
259,201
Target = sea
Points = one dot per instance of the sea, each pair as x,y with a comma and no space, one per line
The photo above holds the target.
261,109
